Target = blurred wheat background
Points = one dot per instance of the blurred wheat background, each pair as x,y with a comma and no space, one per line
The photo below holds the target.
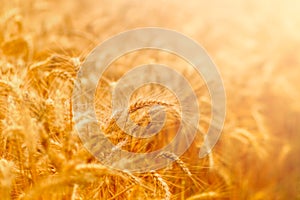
255,44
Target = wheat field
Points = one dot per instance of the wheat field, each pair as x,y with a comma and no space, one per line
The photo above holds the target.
256,46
